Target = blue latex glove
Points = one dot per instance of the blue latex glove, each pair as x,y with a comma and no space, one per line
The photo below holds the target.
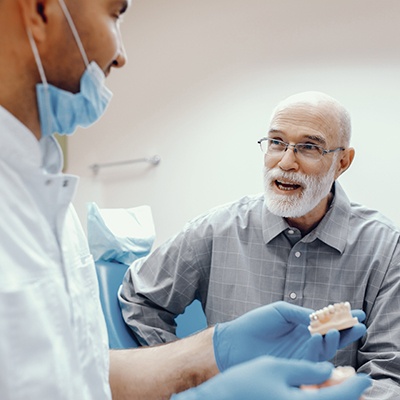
281,330
270,378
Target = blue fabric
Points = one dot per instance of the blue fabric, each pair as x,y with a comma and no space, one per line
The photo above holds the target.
110,276
122,235
62,111
120,336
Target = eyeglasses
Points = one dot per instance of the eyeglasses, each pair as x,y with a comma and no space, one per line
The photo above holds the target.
308,151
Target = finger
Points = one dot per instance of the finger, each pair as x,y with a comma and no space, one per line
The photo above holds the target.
359,314
348,336
292,313
351,389
302,372
315,348
331,344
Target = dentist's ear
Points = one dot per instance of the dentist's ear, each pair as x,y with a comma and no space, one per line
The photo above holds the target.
35,15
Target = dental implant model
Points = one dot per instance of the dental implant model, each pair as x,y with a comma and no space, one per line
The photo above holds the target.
339,375
337,316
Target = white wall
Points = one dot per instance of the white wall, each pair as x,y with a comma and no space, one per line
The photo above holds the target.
201,81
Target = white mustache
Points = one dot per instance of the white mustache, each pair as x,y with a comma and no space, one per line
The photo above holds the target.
296,178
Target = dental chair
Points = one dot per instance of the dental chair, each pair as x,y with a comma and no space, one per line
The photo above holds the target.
120,336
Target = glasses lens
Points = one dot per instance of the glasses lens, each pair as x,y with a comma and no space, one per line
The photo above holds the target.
309,151
272,146
264,145
276,146
306,151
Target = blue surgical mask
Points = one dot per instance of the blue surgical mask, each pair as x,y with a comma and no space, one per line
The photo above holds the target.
61,111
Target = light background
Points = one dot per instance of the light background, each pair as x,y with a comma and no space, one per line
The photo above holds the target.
200,84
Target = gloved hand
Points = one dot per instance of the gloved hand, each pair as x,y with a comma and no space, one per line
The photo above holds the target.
270,378
281,330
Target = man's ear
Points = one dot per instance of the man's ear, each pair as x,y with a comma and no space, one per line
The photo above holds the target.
34,16
345,161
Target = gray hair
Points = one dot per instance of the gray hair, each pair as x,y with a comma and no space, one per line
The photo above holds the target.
317,99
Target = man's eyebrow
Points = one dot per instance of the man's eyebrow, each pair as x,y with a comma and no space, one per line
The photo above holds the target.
316,138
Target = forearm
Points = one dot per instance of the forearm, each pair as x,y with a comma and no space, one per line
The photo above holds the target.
155,373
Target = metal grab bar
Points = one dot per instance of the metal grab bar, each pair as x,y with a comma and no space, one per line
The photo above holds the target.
155,160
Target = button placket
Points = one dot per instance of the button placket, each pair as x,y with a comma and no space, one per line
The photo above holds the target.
295,274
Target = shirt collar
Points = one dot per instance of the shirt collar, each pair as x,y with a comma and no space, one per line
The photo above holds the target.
334,227
332,230
23,150
272,225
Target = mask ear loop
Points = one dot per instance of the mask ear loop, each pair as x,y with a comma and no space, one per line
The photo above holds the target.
37,57
74,31
42,77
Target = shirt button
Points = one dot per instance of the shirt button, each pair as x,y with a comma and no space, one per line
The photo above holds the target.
293,295
48,182
290,231
297,254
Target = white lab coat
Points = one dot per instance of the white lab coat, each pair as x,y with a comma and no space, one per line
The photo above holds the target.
53,339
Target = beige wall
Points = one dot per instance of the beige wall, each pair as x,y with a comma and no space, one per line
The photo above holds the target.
201,81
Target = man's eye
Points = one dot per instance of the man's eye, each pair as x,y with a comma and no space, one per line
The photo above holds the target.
276,143
307,147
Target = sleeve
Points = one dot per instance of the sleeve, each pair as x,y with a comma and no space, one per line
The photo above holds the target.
379,353
158,288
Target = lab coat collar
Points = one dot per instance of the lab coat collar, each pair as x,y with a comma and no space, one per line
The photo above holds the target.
20,146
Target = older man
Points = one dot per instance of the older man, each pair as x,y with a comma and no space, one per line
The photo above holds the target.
54,57
303,241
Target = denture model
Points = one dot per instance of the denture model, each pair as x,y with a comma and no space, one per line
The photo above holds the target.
337,316
339,374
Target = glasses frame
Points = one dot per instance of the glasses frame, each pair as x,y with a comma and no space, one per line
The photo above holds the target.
295,146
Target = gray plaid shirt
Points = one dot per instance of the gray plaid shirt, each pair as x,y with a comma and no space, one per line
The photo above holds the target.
240,256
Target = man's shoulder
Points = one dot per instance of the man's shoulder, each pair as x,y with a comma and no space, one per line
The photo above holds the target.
242,205
235,209
370,218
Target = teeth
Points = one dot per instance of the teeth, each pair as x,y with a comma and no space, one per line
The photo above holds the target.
286,188
287,185
336,316
339,374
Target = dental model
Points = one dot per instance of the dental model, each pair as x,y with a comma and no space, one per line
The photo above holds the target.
339,374
337,316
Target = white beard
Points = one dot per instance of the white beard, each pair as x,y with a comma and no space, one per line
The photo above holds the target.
314,189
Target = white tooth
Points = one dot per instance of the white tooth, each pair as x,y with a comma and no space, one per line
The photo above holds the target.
337,306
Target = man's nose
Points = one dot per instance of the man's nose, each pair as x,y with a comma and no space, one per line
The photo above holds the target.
289,161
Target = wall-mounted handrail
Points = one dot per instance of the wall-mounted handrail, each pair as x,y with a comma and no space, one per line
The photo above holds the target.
154,160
